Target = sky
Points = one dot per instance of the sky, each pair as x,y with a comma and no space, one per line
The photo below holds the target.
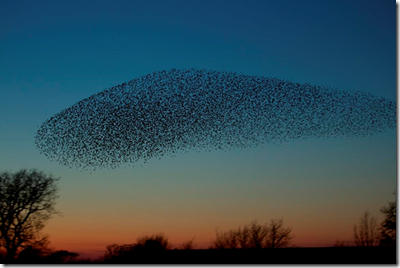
56,53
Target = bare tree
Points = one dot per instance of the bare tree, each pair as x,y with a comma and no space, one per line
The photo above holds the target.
257,235
278,236
27,201
365,233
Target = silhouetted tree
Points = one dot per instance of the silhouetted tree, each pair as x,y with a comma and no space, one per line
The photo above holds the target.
278,236
27,201
365,233
255,236
388,226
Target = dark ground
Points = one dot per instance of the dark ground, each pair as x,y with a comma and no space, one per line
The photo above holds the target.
337,255
334,255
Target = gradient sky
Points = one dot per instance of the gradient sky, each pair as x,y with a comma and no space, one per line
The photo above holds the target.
55,53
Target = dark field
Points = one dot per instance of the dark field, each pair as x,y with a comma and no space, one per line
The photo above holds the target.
356,255
334,255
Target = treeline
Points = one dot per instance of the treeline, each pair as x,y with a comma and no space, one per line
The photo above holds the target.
250,236
27,201
255,236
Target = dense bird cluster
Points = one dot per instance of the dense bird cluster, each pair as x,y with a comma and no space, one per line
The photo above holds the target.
172,111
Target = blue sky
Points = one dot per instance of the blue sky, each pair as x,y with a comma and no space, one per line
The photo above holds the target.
55,53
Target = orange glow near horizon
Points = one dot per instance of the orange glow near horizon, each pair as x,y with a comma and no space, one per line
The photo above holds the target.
91,241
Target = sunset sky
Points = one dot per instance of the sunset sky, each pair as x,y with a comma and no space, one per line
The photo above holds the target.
56,53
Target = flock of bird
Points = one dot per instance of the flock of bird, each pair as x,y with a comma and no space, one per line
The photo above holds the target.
172,111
